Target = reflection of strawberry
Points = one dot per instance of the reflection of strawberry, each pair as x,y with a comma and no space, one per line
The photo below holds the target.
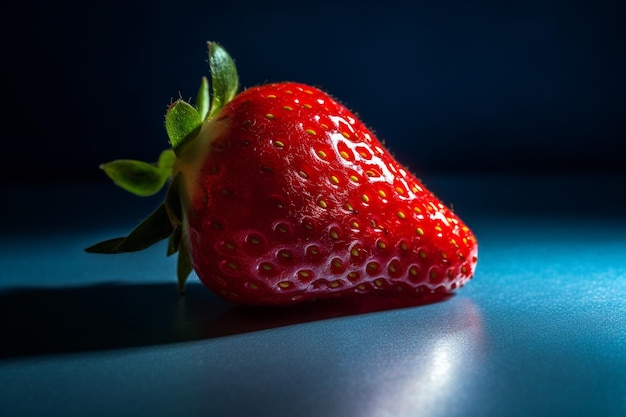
280,194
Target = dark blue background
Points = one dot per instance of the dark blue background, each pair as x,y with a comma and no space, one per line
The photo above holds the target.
465,86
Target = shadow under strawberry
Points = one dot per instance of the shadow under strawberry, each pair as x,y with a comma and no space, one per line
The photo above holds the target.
42,321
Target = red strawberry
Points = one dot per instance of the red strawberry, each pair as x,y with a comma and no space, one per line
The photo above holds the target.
280,195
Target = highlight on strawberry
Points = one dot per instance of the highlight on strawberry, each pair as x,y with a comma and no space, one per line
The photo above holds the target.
279,194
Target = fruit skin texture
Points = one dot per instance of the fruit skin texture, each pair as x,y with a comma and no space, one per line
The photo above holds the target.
289,197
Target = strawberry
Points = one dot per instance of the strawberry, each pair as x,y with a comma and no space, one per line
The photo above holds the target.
279,194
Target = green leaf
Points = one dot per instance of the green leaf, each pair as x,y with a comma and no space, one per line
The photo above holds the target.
203,100
181,120
150,231
153,229
166,162
183,267
137,177
224,78
172,202
107,246
174,241
141,178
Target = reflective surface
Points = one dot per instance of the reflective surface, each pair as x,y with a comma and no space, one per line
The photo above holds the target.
541,330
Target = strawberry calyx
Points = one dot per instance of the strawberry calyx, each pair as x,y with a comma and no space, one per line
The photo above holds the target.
183,122
139,177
